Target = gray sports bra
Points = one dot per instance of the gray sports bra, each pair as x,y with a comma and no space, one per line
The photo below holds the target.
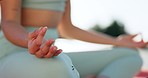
56,5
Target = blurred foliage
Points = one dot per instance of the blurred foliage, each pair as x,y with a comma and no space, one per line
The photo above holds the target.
97,28
115,29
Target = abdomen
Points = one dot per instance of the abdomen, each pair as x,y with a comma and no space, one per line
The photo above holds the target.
32,17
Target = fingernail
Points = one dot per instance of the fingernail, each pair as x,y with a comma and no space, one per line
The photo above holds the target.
60,50
40,28
44,29
51,41
55,48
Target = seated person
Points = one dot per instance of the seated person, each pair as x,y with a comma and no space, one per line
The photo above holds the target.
23,37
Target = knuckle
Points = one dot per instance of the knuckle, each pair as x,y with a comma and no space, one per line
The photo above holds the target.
43,52
49,55
37,43
38,55
41,35
31,51
51,51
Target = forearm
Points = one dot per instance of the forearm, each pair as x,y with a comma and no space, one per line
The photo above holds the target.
15,33
100,38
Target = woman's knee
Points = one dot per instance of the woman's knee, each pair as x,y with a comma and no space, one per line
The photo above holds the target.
133,62
126,51
24,63
131,55
136,61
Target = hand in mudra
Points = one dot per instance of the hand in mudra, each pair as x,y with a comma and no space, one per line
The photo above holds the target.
127,41
41,47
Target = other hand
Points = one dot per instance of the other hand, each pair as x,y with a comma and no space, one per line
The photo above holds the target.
128,41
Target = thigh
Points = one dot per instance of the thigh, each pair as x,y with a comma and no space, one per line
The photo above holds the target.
7,48
24,65
93,62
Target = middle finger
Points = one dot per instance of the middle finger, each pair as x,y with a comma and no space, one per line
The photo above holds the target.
44,50
51,52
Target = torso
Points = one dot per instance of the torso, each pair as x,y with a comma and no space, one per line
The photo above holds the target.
42,12
34,17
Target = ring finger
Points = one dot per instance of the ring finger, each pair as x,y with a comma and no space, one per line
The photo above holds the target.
51,52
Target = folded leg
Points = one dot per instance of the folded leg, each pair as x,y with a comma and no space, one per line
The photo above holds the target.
24,65
107,62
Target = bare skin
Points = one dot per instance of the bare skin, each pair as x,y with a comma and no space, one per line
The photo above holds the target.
15,18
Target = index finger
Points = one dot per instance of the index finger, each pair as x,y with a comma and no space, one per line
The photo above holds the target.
33,34
41,35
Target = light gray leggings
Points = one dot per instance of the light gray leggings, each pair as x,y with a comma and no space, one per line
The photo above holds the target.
115,63
16,62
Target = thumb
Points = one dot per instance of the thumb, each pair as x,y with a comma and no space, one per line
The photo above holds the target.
133,36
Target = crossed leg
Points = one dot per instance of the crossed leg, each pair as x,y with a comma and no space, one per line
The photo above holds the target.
115,63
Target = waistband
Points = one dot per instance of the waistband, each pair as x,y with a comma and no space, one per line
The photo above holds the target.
56,5
51,32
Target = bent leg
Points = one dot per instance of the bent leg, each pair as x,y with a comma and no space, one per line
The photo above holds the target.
124,67
95,62
24,65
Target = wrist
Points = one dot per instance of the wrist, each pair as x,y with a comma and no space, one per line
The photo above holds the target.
118,42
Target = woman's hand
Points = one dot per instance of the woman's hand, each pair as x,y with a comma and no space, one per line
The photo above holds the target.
40,47
128,41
